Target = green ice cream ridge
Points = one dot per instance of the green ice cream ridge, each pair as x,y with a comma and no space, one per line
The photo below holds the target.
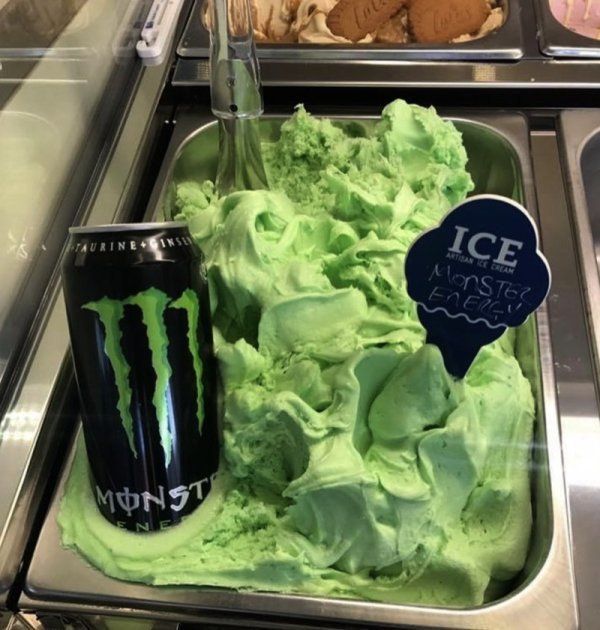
353,465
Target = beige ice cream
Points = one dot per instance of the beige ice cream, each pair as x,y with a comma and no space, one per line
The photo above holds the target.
493,23
273,19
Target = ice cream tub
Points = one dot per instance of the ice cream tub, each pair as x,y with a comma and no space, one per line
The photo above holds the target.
542,595
569,28
581,151
499,39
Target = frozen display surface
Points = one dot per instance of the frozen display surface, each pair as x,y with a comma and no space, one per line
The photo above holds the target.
499,172
27,145
66,29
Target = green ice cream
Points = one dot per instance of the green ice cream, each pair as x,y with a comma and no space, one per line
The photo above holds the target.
353,465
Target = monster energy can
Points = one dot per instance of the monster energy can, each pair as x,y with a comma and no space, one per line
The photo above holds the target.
139,318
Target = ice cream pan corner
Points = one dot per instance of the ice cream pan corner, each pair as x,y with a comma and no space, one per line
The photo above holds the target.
542,595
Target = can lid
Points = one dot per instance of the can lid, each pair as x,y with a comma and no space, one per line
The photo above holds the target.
126,227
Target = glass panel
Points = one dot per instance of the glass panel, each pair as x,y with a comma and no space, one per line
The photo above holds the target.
53,124
28,25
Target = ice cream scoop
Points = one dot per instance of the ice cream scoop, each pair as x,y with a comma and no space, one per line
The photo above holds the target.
236,98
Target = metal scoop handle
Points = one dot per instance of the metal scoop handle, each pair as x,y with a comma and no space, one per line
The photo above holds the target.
235,75
236,98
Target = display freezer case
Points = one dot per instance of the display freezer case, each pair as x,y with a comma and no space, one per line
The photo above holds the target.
557,588
542,596
59,581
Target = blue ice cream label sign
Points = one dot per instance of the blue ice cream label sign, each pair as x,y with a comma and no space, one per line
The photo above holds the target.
476,274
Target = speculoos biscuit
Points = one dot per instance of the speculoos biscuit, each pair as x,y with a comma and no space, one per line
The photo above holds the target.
438,21
355,19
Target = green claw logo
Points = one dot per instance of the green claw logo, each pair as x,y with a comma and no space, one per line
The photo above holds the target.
152,304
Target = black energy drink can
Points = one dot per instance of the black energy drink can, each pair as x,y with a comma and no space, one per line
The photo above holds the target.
139,320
